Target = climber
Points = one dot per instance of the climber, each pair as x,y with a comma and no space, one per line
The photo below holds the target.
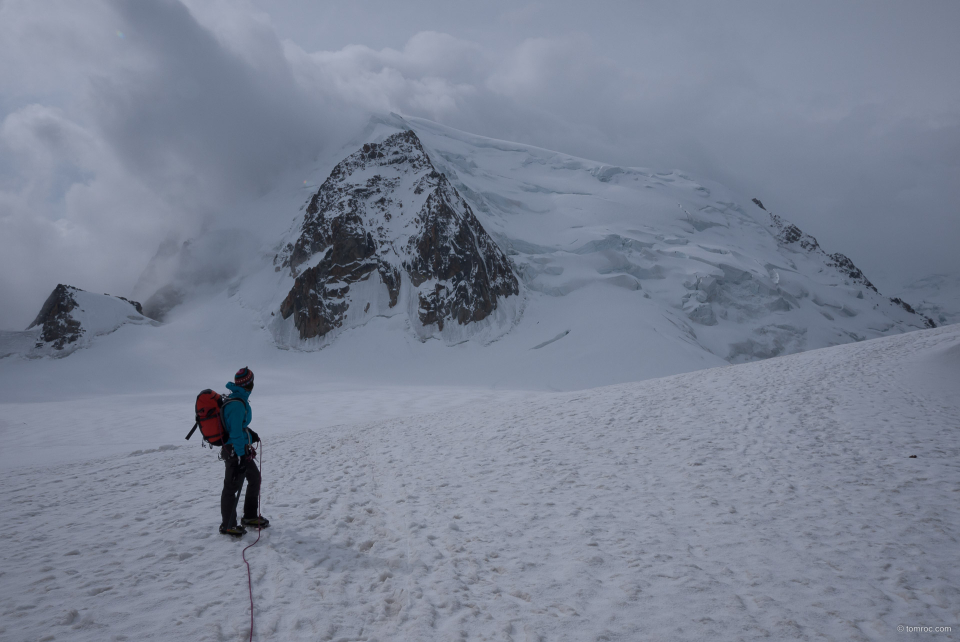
239,457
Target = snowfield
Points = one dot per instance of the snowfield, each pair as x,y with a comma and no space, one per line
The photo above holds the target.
771,500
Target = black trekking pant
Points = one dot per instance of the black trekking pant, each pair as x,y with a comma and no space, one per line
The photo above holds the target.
238,469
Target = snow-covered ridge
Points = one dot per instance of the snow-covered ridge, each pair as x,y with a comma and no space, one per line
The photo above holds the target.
735,279
71,318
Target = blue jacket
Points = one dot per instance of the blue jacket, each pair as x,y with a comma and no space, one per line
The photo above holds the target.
236,418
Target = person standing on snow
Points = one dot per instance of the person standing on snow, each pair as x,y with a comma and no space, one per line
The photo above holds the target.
239,457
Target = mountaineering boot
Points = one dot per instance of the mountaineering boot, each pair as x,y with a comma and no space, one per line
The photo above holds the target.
255,522
235,531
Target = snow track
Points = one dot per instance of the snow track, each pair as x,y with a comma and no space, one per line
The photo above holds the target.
773,500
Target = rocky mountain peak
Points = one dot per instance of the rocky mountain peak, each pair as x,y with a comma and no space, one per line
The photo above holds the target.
386,227
70,318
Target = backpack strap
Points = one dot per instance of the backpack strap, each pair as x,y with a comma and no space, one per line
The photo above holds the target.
223,423
228,400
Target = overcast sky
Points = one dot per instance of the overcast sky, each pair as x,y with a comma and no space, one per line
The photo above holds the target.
123,122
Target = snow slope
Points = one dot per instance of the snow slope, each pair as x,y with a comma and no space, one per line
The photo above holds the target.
770,500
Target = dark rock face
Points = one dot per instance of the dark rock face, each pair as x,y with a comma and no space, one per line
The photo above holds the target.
452,251
847,267
318,294
790,234
58,327
386,213
759,204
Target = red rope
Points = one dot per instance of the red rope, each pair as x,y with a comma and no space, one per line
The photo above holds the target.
244,553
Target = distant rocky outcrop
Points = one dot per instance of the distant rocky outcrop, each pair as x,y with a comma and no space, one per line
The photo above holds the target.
387,219
789,234
70,318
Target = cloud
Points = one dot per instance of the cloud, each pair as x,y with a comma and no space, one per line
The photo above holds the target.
69,210
556,72
158,131
125,122
200,119
434,75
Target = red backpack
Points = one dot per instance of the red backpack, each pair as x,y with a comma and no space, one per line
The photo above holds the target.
209,414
